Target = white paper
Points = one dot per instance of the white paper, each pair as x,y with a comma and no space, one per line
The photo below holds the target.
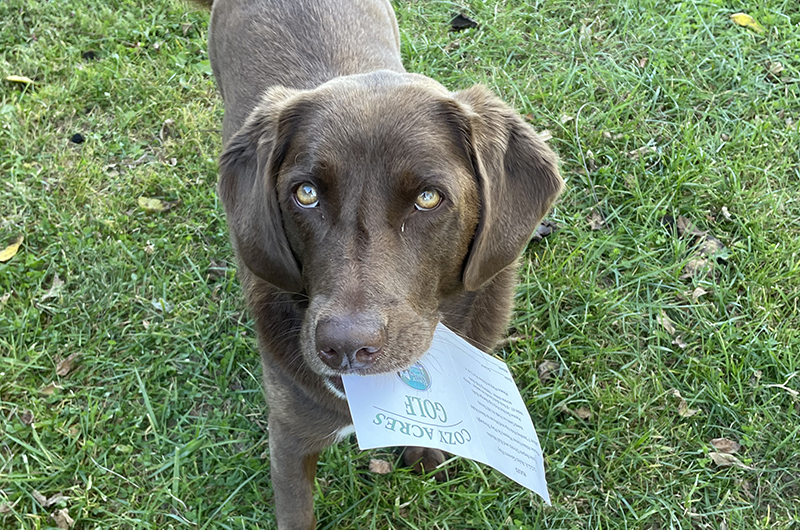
455,398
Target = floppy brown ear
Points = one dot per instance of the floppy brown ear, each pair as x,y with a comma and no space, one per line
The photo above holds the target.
248,170
518,179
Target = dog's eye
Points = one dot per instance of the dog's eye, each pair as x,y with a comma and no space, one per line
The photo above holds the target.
428,200
306,195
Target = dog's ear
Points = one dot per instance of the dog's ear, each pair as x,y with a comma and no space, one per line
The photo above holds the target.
248,170
518,181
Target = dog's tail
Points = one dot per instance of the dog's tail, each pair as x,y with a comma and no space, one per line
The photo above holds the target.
203,3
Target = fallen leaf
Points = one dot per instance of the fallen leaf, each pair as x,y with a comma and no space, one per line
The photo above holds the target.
546,370
6,508
725,460
545,135
596,220
683,407
566,119
54,289
166,129
380,467
162,305
11,250
38,497
583,413
27,417
774,70
20,79
679,342
62,519
746,21
4,299
694,267
637,153
642,62
152,205
724,445
710,246
725,213
697,293
55,499
666,323
65,366
50,389
686,227
461,22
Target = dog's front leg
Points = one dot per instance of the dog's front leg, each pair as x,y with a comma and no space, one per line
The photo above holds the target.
293,469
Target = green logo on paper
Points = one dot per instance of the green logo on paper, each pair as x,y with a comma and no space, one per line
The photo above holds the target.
416,377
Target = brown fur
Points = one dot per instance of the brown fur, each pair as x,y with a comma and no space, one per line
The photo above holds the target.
315,92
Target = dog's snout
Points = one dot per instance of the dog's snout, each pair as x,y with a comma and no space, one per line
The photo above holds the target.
350,342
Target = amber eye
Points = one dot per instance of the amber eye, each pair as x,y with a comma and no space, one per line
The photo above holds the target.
306,195
428,200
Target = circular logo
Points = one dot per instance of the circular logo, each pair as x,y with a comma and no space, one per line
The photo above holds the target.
416,376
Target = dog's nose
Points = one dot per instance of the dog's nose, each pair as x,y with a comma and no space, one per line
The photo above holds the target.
350,342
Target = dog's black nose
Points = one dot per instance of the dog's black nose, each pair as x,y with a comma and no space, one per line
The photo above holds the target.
350,342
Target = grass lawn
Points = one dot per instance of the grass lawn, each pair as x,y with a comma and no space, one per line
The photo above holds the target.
666,305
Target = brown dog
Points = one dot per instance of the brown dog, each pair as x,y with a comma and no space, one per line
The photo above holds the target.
365,204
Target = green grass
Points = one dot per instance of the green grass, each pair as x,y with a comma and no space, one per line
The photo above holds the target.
161,422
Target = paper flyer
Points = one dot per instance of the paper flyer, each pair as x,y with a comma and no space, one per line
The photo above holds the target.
455,398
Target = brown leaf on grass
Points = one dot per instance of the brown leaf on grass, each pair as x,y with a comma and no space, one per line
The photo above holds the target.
774,71
545,135
546,370
694,267
684,411
6,508
679,342
513,339
54,289
11,250
27,417
726,460
380,467
724,445
583,413
62,519
697,293
686,227
166,129
65,366
596,220
50,389
46,502
666,323
683,407
638,153
38,497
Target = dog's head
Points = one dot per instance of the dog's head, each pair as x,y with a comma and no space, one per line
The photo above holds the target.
378,196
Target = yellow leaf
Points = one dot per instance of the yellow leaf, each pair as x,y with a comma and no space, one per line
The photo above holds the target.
747,21
20,79
152,205
11,250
